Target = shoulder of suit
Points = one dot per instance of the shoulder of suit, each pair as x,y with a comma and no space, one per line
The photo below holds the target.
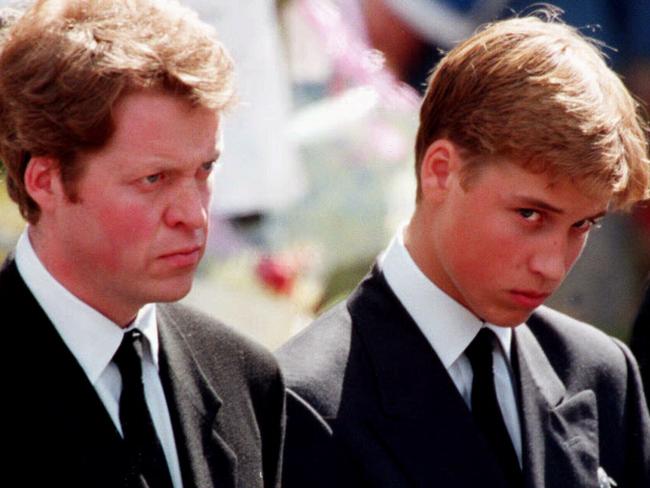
320,345
322,348
214,343
572,344
313,362
8,272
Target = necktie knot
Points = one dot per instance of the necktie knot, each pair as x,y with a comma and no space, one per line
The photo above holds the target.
128,356
479,352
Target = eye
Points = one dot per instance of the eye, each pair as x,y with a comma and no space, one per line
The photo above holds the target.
587,224
529,214
152,179
205,170
207,167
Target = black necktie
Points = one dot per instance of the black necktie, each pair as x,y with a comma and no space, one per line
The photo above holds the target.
486,410
144,448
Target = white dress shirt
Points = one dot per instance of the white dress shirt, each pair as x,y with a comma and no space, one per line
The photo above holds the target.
93,339
450,328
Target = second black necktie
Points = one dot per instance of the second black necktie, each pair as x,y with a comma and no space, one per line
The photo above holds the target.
486,410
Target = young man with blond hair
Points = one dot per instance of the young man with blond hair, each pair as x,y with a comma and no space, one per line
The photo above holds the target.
443,368
110,115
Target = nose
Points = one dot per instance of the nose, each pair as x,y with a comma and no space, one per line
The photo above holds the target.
551,260
188,207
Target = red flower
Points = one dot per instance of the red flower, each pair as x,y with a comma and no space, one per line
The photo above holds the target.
277,274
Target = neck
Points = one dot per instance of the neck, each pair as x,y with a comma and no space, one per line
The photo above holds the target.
59,266
421,244
416,241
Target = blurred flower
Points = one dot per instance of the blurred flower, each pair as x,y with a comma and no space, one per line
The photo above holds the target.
276,273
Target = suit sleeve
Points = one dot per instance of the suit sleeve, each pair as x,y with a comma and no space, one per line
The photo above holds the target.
637,424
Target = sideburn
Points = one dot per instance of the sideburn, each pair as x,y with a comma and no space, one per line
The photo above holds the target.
70,171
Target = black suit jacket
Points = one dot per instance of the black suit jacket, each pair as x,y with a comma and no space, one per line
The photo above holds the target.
225,395
371,405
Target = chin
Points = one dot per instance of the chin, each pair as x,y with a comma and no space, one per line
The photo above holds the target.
173,293
506,325
507,319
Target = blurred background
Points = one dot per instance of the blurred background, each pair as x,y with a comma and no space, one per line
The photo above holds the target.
317,172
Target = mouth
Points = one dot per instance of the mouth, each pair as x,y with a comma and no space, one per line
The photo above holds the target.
528,298
184,257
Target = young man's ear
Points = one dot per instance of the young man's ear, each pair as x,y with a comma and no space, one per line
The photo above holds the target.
440,166
42,181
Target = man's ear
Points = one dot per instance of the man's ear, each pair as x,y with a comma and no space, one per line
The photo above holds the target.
43,181
440,164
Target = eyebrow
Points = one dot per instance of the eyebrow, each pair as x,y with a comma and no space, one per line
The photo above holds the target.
543,205
161,163
210,159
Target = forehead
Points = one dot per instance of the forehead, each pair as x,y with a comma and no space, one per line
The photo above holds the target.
151,126
512,184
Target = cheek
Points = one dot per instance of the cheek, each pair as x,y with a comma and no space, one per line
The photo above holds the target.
482,243
574,250
490,262
128,225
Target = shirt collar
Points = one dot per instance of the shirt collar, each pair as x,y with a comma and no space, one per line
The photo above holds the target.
447,325
91,337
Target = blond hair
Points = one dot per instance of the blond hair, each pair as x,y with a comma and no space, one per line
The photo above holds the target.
64,64
535,91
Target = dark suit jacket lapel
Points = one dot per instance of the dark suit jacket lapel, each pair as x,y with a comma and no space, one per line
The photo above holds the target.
560,431
69,422
425,421
77,416
206,460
